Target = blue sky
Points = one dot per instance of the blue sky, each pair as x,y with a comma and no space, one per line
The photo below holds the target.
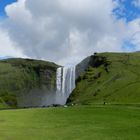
3,3
127,10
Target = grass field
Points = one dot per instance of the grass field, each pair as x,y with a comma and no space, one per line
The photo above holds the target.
72,123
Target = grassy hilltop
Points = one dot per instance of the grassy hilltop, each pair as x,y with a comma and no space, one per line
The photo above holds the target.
110,77
22,75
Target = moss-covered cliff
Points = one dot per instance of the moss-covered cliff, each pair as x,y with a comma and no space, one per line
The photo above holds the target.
108,78
21,76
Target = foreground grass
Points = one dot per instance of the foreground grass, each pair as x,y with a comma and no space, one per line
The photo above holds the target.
72,123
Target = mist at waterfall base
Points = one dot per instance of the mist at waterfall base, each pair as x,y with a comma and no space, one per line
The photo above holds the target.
65,83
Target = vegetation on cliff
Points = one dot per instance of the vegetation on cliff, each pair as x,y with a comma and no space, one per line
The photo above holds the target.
21,75
109,78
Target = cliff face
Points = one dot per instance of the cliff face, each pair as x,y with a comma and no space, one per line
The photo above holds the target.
108,78
26,82
81,67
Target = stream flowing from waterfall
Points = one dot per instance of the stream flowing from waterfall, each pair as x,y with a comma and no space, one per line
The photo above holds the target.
65,83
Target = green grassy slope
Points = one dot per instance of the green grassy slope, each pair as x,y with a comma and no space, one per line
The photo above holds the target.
21,75
110,77
73,123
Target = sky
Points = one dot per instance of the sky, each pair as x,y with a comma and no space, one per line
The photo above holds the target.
67,31
3,4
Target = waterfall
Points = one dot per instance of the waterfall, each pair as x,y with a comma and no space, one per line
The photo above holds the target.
65,83
59,79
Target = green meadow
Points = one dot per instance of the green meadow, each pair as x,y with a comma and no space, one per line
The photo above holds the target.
96,122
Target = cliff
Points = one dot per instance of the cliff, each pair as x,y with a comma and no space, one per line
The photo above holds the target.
26,82
112,78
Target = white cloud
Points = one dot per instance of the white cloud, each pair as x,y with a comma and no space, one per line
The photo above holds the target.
136,3
66,31
135,37
7,46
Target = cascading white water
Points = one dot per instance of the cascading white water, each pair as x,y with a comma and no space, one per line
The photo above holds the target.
65,83
59,79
